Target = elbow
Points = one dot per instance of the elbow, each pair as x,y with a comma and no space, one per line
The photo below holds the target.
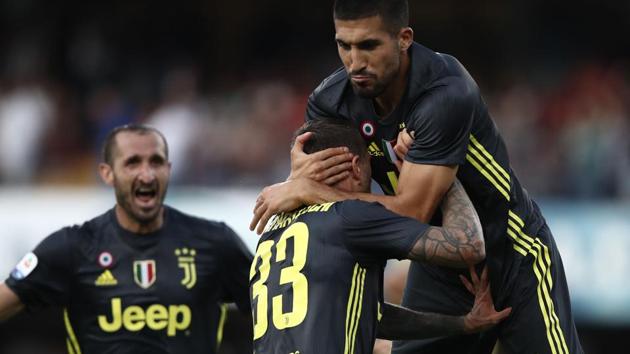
476,253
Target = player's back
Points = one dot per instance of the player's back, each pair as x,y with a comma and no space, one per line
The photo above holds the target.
309,293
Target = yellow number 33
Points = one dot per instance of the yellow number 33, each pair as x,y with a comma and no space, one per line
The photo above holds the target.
288,275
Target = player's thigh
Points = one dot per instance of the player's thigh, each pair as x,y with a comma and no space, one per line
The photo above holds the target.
454,344
436,289
541,320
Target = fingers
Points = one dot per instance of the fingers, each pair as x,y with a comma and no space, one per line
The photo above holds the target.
501,315
467,284
300,140
332,156
400,151
263,221
336,178
484,276
406,137
335,162
258,213
330,169
403,143
473,276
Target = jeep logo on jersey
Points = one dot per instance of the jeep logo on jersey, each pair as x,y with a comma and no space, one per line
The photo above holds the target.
186,261
144,273
156,317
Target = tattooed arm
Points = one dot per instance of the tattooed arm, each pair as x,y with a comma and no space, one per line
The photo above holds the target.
459,242
399,323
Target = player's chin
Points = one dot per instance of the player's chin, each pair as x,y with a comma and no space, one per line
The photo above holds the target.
365,91
147,215
146,210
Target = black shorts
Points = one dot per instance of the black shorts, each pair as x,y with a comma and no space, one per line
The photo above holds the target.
541,320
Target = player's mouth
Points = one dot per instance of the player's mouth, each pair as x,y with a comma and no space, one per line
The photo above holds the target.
146,196
361,80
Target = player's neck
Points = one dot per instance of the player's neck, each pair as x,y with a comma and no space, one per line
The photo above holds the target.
390,98
130,224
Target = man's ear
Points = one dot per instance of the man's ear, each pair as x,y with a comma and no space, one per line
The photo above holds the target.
107,173
405,38
356,168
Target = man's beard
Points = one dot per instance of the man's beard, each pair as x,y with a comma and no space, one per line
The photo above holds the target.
379,86
369,92
124,199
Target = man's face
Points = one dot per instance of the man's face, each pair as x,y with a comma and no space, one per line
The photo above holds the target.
370,54
140,175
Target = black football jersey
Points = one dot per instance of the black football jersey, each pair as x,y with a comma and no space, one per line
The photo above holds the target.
316,282
444,108
127,293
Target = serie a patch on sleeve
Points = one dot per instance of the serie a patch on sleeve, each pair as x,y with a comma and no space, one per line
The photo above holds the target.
24,266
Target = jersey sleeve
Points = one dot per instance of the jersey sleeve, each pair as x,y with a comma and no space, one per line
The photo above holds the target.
42,277
441,122
374,234
235,275
314,110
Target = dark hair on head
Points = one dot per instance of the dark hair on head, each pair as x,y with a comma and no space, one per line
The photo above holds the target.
331,132
395,13
110,140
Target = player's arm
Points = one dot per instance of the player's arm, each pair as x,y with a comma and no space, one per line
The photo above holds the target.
420,187
459,242
441,124
10,303
399,323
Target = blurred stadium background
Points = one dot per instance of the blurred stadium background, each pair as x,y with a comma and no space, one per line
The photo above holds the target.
227,83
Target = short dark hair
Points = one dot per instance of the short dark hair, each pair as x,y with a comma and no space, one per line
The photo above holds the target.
395,13
331,132
142,129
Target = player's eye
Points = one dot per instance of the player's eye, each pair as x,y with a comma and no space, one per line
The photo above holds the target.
157,160
369,44
343,45
132,161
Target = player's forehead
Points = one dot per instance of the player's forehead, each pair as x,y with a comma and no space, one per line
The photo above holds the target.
129,143
358,30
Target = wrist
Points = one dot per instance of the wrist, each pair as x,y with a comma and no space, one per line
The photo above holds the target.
467,324
303,189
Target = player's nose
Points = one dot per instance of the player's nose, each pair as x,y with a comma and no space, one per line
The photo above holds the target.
357,61
147,174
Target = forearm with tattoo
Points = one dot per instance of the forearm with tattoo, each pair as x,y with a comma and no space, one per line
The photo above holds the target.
399,323
459,242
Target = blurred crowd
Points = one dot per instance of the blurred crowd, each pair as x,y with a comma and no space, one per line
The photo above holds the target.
228,84
51,134
566,139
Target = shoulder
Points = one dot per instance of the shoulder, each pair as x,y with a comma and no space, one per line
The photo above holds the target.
328,95
79,235
452,95
356,211
433,72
